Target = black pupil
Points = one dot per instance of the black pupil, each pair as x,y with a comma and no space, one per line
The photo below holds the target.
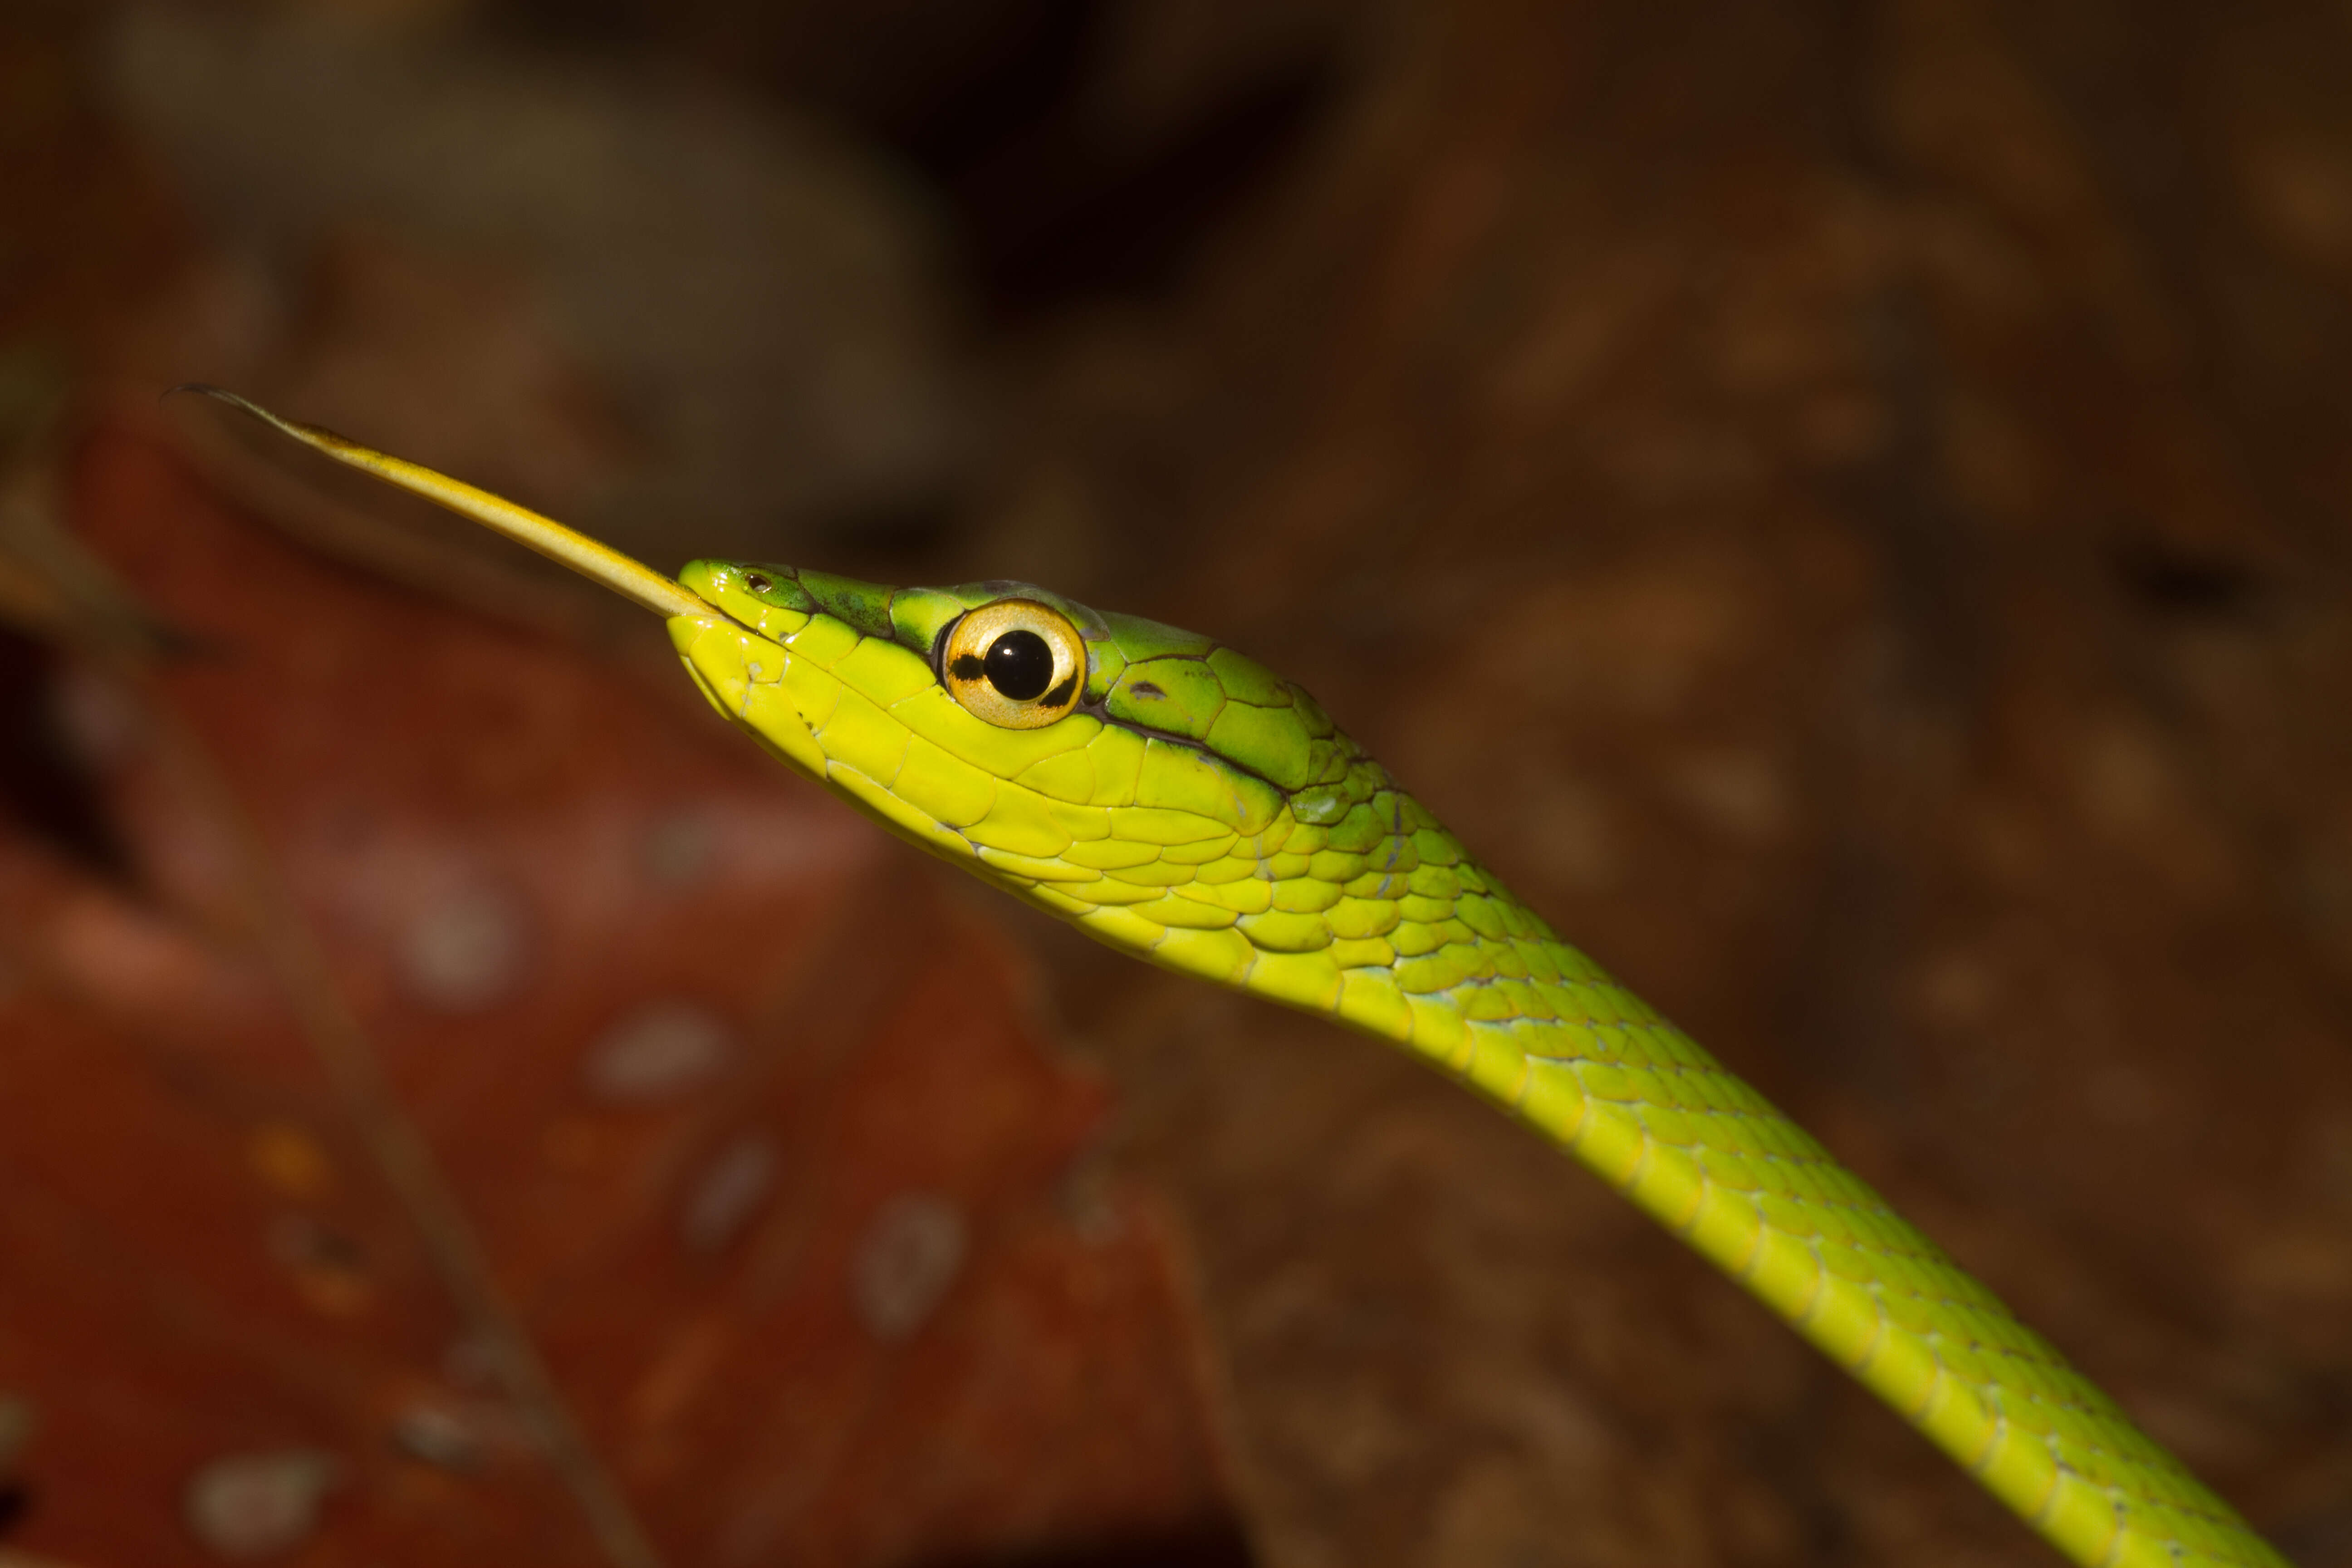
1020,664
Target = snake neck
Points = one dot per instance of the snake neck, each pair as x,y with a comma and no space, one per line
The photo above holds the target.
1380,921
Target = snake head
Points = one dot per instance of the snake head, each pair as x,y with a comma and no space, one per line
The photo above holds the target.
1164,792
999,722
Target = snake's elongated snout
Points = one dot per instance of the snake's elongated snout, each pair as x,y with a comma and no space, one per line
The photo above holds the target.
631,579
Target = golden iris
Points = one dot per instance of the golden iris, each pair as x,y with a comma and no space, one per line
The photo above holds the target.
1016,663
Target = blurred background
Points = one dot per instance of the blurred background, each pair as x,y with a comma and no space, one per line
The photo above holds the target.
1842,502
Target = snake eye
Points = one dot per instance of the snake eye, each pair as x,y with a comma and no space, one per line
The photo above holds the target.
1016,663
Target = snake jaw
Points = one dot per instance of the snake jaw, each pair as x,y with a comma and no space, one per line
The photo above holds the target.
740,663
839,706
739,671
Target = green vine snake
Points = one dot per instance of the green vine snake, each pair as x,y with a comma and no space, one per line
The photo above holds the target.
1176,800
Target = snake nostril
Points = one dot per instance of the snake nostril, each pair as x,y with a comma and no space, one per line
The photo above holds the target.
758,581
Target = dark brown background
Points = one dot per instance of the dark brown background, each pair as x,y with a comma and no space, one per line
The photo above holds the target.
1844,503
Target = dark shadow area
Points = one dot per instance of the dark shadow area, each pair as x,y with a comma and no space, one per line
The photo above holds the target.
1055,213
1002,109
2183,583
1210,1543
44,789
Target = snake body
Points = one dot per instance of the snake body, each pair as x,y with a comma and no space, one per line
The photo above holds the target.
1179,802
